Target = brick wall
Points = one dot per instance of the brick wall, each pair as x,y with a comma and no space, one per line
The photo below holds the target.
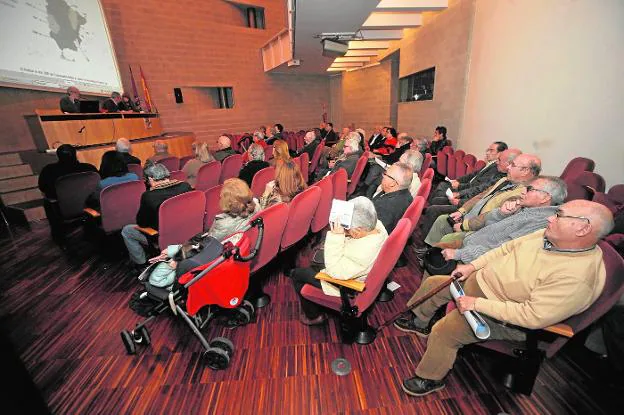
187,45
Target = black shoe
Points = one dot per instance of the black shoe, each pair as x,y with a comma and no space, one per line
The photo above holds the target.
408,325
418,386
401,262
421,251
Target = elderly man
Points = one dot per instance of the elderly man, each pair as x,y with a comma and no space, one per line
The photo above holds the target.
254,165
351,153
335,151
113,104
312,139
349,254
161,151
224,145
473,183
161,188
389,144
330,135
522,170
531,282
420,144
70,103
377,139
394,198
515,218
277,131
123,149
413,159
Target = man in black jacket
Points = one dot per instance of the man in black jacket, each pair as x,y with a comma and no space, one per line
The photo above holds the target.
254,165
377,139
161,188
312,139
69,103
330,136
394,199
113,104
122,149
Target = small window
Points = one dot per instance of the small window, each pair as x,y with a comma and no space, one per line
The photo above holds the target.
222,97
255,17
418,86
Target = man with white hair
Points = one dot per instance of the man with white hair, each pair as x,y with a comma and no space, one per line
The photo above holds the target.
224,145
413,159
530,283
311,141
394,198
254,165
351,153
70,103
350,251
161,151
123,149
376,140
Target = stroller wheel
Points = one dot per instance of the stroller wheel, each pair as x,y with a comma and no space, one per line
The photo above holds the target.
250,308
222,343
217,359
128,341
145,336
240,318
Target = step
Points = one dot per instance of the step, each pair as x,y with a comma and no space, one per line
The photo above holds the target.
8,172
10,159
21,196
31,211
18,183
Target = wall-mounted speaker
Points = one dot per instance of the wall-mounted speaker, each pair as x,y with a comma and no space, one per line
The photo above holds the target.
178,95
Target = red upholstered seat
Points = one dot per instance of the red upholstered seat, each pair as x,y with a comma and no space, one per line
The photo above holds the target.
424,189
413,212
274,225
339,181
321,216
428,174
178,175
451,166
72,191
212,209
590,179
260,180
304,165
576,166
425,165
357,174
119,204
184,160
268,153
316,157
470,159
300,214
616,194
181,217
480,164
230,167
171,163
136,169
441,162
208,176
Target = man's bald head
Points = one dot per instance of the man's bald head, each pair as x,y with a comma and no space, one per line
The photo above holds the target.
524,168
506,157
579,224
224,142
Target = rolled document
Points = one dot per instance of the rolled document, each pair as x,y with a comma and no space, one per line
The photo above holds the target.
474,319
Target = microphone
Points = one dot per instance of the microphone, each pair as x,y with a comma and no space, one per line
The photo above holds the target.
82,129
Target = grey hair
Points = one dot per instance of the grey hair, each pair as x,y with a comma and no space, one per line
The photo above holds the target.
115,95
160,146
355,136
412,158
405,175
352,143
364,213
535,167
256,152
604,222
556,188
156,171
259,134
123,145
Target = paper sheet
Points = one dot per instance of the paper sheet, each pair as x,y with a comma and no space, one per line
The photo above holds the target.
341,212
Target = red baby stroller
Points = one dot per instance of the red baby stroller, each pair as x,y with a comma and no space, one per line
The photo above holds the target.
221,283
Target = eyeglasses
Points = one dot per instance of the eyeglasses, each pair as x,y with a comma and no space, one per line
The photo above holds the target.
559,214
512,164
531,189
390,177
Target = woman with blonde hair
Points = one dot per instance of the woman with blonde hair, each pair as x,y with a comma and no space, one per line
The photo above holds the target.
280,153
238,206
202,156
288,183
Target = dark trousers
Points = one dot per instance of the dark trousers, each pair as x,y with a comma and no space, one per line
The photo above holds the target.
54,220
431,214
301,277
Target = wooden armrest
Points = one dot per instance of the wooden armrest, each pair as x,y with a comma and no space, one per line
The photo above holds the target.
352,284
147,231
560,329
92,212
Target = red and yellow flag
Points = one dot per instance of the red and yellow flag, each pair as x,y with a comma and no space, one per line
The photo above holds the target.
148,99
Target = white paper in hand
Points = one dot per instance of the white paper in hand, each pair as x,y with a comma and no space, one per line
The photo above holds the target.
341,212
447,179
449,193
381,163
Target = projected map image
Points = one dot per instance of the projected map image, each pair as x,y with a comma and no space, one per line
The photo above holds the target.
53,44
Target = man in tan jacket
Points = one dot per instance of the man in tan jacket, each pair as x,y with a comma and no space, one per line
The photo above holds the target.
530,282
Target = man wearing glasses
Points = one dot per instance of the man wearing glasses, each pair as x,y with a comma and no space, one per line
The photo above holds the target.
515,218
527,283
394,198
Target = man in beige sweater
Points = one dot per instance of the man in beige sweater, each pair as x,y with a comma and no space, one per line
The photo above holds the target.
530,282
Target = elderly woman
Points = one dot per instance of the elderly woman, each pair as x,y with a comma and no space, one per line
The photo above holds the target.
238,206
280,153
202,157
255,154
349,254
288,183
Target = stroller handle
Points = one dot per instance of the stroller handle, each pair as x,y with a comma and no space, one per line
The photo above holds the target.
258,222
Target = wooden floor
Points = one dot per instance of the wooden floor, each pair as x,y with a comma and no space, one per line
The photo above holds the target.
64,310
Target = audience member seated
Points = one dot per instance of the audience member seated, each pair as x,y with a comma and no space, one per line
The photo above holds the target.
160,188
259,138
238,206
438,141
394,198
114,103
312,139
335,151
288,183
280,153
254,165
348,160
161,151
434,211
202,157
413,159
420,144
473,183
377,139
113,172
375,169
322,129
528,283
70,103
123,149
515,218
277,131
471,215
224,148
348,254
67,164
330,135
389,144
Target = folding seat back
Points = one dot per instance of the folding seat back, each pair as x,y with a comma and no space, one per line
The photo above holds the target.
357,174
428,174
480,164
459,153
268,153
604,199
300,214
616,194
178,175
119,204
136,169
274,224
460,166
590,179
576,166
184,160
414,211
213,195
425,165
424,189
260,180
321,216
339,182
304,163
577,191
230,167
441,163
451,166
172,163
208,176
316,156
72,191
181,217
448,149
470,160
